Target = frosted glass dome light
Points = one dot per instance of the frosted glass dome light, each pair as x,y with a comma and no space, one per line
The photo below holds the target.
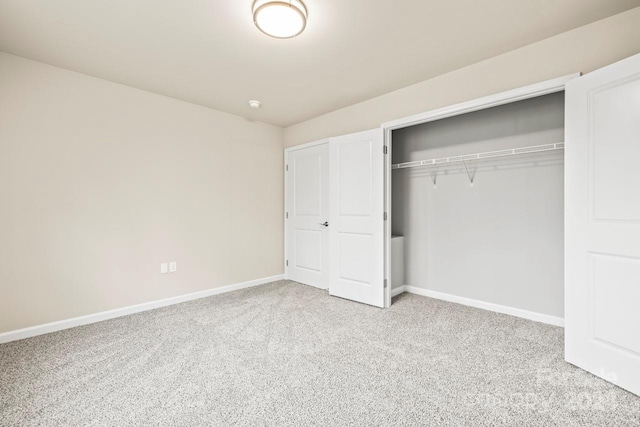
281,19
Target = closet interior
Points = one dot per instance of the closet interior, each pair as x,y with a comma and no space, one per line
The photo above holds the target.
478,206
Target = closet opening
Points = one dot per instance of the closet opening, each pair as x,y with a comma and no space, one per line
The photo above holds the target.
477,208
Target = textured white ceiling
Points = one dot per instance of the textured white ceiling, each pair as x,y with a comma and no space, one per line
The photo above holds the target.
208,51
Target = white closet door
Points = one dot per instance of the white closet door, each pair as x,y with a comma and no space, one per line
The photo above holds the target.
602,223
356,224
308,215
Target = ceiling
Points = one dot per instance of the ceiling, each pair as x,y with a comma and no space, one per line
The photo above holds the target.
208,52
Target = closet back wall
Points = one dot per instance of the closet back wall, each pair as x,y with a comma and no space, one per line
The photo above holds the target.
500,241
100,183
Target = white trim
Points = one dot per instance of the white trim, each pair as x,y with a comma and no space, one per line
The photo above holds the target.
285,258
519,94
46,328
517,312
389,211
399,290
526,92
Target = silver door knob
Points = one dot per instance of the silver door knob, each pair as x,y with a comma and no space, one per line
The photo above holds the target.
324,224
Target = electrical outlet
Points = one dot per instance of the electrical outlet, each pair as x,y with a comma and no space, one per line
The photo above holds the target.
173,267
164,268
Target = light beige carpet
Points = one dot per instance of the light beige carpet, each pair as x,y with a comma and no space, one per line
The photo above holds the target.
287,354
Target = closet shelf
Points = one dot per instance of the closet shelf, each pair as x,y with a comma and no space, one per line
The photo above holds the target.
479,156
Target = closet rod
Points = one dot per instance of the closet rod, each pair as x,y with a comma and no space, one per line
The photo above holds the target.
479,156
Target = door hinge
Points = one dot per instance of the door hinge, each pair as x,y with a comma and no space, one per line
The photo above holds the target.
287,263
385,283
385,216
287,215
384,150
286,168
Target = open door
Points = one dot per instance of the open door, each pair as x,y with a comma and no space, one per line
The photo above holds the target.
602,223
357,224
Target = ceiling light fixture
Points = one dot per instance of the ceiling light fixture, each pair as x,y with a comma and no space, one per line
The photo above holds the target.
254,103
282,19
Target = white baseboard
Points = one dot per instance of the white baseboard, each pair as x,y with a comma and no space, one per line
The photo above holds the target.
46,328
398,290
525,314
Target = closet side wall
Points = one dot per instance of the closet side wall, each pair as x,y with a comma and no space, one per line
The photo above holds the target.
500,241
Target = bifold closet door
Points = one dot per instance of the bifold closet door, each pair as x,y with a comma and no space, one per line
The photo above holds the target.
356,226
308,215
602,223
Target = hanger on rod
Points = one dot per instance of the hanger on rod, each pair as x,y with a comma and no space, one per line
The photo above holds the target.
432,176
469,174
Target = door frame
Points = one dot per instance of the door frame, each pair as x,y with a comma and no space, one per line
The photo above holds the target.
507,97
286,198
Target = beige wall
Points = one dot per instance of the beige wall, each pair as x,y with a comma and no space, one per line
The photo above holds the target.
582,50
100,183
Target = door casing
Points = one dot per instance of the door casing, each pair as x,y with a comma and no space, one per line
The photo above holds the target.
507,97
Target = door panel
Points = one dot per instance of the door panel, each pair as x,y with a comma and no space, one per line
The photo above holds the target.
355,257
307,184
355,163
602,223
309,254
615,122
615,299
356,225
308,209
